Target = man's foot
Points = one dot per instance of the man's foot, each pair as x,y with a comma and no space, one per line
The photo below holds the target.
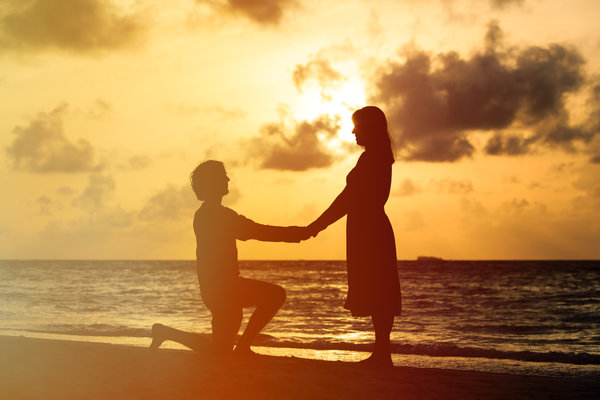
244,353
158,336
376,361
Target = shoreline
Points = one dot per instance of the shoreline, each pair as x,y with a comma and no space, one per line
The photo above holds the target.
47,369
463,363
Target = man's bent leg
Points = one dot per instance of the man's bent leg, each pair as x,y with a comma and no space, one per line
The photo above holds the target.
268,299
225,326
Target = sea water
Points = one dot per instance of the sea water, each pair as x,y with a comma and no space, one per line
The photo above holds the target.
529,317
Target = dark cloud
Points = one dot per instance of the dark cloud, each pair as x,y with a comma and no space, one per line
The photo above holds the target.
512,145
595,160
41,146
435,102
264,12
98,192
317,68
300,151
440,149
72,25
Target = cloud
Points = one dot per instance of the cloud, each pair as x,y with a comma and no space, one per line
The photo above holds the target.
100,109
502,4
263,12
71,25
413,221
434,102
452,186
446,185
136,163
406,188
170,203
512,145
302,150
99,190
222,113
41,147
318,68
65,191
46,205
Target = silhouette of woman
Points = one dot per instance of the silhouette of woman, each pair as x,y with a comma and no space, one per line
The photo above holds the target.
223,290
373,284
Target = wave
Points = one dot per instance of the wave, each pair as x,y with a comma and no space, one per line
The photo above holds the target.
96,330
450,350
431,350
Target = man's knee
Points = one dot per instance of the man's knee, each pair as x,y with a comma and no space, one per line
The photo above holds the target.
279,296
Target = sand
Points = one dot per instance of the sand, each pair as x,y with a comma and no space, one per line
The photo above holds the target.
53,369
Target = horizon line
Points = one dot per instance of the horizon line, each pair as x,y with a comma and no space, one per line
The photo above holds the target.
437,259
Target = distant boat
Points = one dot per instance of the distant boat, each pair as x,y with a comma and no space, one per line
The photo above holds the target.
429,258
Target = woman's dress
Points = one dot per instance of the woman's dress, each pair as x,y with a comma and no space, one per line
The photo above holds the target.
373,284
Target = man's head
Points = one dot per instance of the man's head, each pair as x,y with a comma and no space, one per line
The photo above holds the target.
209,180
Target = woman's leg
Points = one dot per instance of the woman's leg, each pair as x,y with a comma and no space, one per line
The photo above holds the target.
268,299
383,324
382,355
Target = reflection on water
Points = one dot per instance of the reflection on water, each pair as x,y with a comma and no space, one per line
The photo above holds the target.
516,311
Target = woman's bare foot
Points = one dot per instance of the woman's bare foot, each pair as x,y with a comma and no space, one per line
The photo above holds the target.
377,361
158,336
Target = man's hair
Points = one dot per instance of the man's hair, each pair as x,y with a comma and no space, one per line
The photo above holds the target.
204,177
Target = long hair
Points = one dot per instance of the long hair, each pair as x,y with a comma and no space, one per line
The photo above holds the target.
380,139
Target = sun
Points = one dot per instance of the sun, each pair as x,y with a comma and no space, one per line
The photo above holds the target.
339,101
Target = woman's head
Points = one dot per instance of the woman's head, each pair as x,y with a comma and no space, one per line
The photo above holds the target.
371,129
209,180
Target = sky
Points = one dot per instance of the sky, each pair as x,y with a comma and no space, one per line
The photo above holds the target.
108,105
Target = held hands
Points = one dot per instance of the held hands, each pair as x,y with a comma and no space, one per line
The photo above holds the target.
313,229
297,234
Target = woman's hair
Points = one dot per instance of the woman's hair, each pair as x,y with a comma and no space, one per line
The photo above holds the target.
205,178
375,121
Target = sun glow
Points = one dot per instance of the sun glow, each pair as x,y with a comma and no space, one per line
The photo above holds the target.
338,102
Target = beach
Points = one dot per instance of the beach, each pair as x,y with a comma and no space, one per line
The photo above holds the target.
54,369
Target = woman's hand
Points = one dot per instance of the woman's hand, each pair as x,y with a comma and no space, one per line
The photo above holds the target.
313,229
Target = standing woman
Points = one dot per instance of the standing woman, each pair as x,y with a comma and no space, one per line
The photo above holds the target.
373,284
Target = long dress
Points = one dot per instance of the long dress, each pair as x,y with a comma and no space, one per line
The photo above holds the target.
373,284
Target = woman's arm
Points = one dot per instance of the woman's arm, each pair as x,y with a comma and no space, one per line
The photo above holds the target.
335,211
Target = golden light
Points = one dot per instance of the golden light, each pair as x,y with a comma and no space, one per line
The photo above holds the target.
339,101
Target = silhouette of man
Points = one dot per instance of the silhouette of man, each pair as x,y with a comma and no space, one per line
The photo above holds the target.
223,290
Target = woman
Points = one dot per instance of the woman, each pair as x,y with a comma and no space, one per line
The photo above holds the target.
373,285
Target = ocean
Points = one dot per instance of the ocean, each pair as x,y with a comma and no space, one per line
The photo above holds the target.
524,317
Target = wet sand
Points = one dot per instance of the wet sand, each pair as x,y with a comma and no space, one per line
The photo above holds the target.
53,369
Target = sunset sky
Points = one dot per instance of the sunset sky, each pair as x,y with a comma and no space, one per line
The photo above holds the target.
108,105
